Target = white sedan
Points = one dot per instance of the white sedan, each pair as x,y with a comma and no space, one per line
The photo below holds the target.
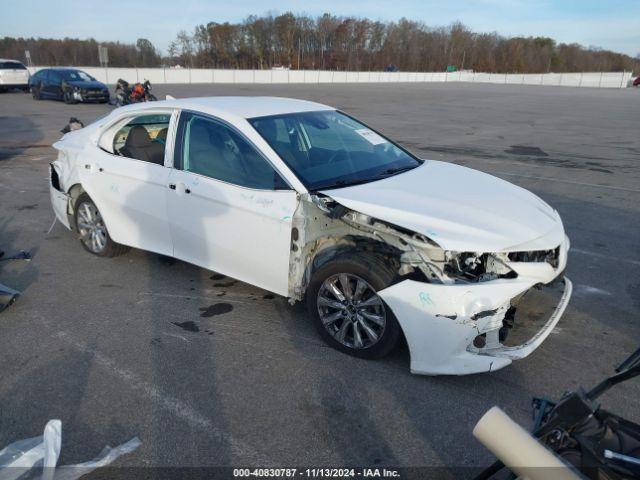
307,202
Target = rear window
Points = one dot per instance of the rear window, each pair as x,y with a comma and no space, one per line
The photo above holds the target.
12,66
156,126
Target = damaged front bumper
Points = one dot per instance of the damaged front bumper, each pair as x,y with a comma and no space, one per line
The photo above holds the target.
458,329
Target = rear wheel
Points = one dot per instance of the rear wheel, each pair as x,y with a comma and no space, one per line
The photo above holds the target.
349,314
90,225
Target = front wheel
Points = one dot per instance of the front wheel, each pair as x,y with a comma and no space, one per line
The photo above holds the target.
348,313
68,98
93,231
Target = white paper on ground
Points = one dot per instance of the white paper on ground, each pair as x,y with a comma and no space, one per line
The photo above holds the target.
108,455
43,452
19,457
52,443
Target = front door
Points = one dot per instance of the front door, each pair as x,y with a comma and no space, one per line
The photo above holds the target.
230,211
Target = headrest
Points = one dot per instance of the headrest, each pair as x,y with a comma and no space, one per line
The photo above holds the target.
138,137
162,134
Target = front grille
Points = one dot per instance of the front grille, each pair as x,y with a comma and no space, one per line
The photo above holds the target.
551,257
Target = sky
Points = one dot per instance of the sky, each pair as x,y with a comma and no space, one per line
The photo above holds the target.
608,24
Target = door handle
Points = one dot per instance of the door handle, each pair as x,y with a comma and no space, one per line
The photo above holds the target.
179,187
91,167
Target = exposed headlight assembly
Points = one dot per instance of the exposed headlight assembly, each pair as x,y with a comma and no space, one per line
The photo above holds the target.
476,267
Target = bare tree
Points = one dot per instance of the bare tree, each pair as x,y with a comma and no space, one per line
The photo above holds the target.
333,42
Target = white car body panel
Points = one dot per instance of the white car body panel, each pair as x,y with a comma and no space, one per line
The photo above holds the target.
439,325
133,199
236,231
14,77
461,209
247,234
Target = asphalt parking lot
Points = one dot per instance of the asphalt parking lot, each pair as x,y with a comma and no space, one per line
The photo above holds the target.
106,345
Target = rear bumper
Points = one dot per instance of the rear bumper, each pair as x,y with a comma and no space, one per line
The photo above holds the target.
456,329
59,199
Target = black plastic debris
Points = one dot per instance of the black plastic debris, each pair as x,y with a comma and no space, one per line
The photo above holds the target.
21,255
7,296
74,124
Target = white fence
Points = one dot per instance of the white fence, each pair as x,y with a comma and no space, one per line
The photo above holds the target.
187,75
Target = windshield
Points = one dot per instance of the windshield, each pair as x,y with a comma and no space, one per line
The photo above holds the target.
77,76
329,149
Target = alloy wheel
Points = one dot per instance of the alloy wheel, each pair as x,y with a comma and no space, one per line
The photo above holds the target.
351,311
93,232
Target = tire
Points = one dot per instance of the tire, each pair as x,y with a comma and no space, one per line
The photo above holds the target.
340,332
68,99
89,222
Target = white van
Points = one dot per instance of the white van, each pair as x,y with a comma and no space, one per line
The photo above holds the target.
13,74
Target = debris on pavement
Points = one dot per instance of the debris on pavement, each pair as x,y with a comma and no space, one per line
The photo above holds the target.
7,296
21,255
74,124
25,458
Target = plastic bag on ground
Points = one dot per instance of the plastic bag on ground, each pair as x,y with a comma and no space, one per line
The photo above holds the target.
37,457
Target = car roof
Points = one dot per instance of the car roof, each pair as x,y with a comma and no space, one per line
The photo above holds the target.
244,107
10,60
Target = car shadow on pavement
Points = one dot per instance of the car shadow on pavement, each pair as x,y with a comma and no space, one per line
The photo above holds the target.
53,384
188,423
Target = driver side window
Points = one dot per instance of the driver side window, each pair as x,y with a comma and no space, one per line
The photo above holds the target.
215,150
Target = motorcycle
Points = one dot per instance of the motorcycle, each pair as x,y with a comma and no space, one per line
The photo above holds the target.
592,441
139,92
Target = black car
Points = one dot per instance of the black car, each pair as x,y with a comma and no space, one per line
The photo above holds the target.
68,84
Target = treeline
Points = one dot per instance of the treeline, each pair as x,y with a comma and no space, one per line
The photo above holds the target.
331,42
355,44
72,51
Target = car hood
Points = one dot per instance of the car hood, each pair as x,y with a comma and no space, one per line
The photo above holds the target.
94,84
459,208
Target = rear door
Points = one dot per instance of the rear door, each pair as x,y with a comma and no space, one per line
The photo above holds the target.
127,179
229,210
52,84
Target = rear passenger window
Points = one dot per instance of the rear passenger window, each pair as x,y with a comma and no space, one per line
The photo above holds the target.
212,149
143,138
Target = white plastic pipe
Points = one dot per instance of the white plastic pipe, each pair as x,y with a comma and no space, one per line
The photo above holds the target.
518,450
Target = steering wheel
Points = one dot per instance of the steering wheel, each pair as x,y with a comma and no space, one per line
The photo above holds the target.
336,155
